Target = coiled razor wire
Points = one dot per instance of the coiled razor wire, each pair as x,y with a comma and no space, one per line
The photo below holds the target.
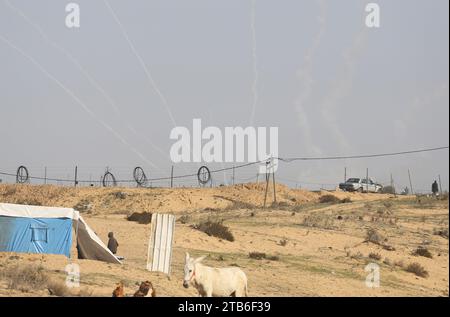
24,176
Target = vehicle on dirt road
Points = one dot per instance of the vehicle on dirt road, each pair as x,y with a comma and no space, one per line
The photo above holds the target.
360,185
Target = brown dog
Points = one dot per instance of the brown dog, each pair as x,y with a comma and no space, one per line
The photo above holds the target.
145,290
118,292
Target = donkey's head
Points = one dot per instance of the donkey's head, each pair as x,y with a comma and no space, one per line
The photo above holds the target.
189,269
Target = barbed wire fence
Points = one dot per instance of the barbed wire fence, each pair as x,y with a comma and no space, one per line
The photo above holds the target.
203,177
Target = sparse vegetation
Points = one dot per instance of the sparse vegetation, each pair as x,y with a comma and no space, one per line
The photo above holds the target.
280,205
83,206
216,229
422,251
318,220
120,195
261,256
329,199
417,269
374,236
283,242
257,255
25,277
184,219
443,232
374,256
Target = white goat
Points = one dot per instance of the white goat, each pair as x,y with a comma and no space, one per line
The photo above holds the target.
218,282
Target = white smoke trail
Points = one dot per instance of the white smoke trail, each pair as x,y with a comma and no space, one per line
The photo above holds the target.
342,87
255,63
76,99
306,80
141,61
90,79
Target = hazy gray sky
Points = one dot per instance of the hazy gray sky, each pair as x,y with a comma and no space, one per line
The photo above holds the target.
331,85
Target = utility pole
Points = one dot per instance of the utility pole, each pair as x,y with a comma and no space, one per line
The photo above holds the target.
440,185
233,174
171,177
76,174
45,175
345,174
410,182
274,189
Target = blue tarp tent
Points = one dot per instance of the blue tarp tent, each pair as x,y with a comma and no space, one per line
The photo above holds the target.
37,229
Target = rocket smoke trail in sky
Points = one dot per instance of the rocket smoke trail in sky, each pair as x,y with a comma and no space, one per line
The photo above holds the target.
255,62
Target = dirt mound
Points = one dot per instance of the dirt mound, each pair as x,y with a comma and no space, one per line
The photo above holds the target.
95,200
140,217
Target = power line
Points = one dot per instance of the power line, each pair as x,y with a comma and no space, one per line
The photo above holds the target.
288,160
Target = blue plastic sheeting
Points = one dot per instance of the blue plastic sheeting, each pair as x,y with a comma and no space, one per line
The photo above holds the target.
36,235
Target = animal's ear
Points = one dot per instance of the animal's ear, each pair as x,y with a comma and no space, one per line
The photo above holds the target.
187,256
198,260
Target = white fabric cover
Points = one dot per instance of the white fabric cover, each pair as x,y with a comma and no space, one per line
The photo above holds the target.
27,211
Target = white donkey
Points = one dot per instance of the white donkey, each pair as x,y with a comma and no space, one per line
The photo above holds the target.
218,282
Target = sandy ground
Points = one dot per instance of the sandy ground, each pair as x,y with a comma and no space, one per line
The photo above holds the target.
320,247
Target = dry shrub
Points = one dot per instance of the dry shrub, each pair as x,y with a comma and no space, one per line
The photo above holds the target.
257,255
422,251
318,221
119,195
443,232
143,218
417,269
184,219
261,256
83,206
25,277
329,199
216,229
375,256
373,236
280,205
283,242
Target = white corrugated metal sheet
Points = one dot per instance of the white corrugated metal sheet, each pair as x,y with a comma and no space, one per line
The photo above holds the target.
160,243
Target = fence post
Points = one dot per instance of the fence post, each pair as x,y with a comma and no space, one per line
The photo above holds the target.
367,180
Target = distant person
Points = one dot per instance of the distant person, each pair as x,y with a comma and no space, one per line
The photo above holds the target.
435,188
112,243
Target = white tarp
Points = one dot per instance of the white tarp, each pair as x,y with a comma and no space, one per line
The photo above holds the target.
160,243
27,211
